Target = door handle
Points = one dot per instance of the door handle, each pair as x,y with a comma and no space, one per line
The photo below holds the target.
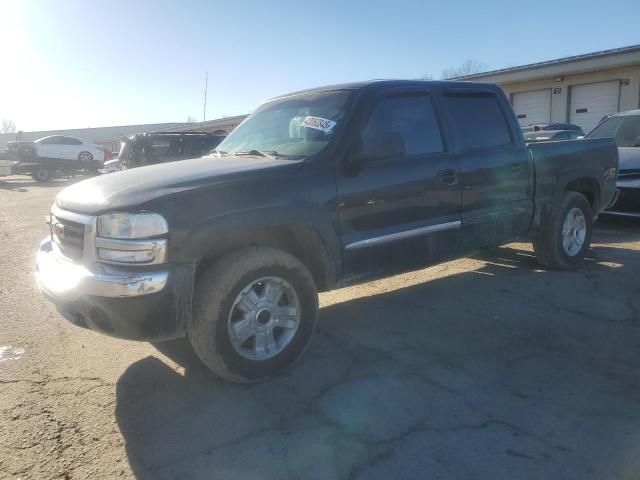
448,177
515,167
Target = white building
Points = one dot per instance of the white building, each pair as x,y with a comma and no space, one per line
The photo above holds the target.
580,89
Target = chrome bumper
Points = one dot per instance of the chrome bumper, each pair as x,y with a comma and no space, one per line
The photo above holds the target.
64,280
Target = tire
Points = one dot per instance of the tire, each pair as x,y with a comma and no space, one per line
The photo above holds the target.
85,157
41,174
550,247
217,309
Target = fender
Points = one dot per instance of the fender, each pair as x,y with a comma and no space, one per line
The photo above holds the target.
229,231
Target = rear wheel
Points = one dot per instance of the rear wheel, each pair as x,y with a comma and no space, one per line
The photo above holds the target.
85,157
254,313
41,174
567,236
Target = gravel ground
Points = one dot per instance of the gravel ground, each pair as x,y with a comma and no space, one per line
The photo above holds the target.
487,367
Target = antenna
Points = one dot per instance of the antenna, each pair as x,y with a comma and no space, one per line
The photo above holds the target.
204,109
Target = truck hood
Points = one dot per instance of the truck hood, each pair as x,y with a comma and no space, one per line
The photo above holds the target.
137,186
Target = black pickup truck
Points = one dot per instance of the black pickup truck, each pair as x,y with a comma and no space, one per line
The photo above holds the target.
313,191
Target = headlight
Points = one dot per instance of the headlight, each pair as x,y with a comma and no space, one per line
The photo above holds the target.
131,225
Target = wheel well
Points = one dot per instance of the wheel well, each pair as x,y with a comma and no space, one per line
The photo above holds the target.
302,242
587,187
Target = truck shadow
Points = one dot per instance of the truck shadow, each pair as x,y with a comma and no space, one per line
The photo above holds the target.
503,371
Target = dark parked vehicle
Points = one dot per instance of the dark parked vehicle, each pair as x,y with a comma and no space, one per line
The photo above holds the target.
160,147
624,128
552,126
551,135
314,190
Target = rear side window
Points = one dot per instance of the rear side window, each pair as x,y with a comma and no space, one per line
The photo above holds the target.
479,120
412,117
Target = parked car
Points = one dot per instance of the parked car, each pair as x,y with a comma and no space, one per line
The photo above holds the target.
161,147
552,126
59,147
314,190
551,135
624,128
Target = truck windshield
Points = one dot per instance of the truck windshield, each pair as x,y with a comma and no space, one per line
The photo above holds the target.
292,127
625,130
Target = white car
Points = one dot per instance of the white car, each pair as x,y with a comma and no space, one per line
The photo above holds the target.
69,148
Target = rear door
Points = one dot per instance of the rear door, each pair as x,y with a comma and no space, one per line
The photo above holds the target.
495,169
70,148
402,211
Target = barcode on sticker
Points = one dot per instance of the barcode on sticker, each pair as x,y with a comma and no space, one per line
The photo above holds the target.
319,123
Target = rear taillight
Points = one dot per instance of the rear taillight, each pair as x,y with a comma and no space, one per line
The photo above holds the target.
108,155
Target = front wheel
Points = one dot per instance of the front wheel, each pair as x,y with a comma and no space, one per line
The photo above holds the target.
567,236
254,313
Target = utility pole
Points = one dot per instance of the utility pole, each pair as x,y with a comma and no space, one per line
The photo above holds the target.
204,109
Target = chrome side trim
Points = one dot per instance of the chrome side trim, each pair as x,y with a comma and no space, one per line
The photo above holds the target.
620,213
369,242
159,246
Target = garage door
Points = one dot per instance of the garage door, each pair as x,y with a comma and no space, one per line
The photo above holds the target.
589,103
532,107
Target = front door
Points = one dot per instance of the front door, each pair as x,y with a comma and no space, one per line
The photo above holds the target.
399,211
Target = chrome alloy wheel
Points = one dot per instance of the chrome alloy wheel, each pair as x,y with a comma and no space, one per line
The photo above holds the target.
85,157
574,231
264,318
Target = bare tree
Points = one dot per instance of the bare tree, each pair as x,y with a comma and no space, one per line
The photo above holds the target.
469,67
8,126
192,119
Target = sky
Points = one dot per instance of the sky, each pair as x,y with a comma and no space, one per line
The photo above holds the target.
75,64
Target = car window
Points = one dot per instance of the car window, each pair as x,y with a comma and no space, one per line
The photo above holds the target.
410,117
479,120
69,141
625,130
49,141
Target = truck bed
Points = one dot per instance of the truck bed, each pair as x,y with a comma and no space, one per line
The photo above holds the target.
557,164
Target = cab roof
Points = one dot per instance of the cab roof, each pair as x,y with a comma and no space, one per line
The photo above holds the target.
373,85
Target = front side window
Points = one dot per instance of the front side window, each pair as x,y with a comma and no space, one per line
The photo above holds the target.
295,127
49,141
625,130
411,118
70,141
479,120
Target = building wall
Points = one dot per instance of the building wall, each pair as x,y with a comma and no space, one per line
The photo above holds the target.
629,94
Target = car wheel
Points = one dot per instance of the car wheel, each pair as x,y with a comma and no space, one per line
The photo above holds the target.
85,157
566,238
254,313
41,174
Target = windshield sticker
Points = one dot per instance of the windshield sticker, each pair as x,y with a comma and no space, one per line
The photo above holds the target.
319,123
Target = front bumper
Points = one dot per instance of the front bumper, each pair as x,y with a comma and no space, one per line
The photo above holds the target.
141,305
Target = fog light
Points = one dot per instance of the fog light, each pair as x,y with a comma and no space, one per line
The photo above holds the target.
127,256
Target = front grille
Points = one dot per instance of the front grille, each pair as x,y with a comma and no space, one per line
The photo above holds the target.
68,236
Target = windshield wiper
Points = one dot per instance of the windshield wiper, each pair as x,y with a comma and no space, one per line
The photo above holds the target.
217,152
262,153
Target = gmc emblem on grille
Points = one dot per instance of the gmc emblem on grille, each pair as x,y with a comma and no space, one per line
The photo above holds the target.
58,230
